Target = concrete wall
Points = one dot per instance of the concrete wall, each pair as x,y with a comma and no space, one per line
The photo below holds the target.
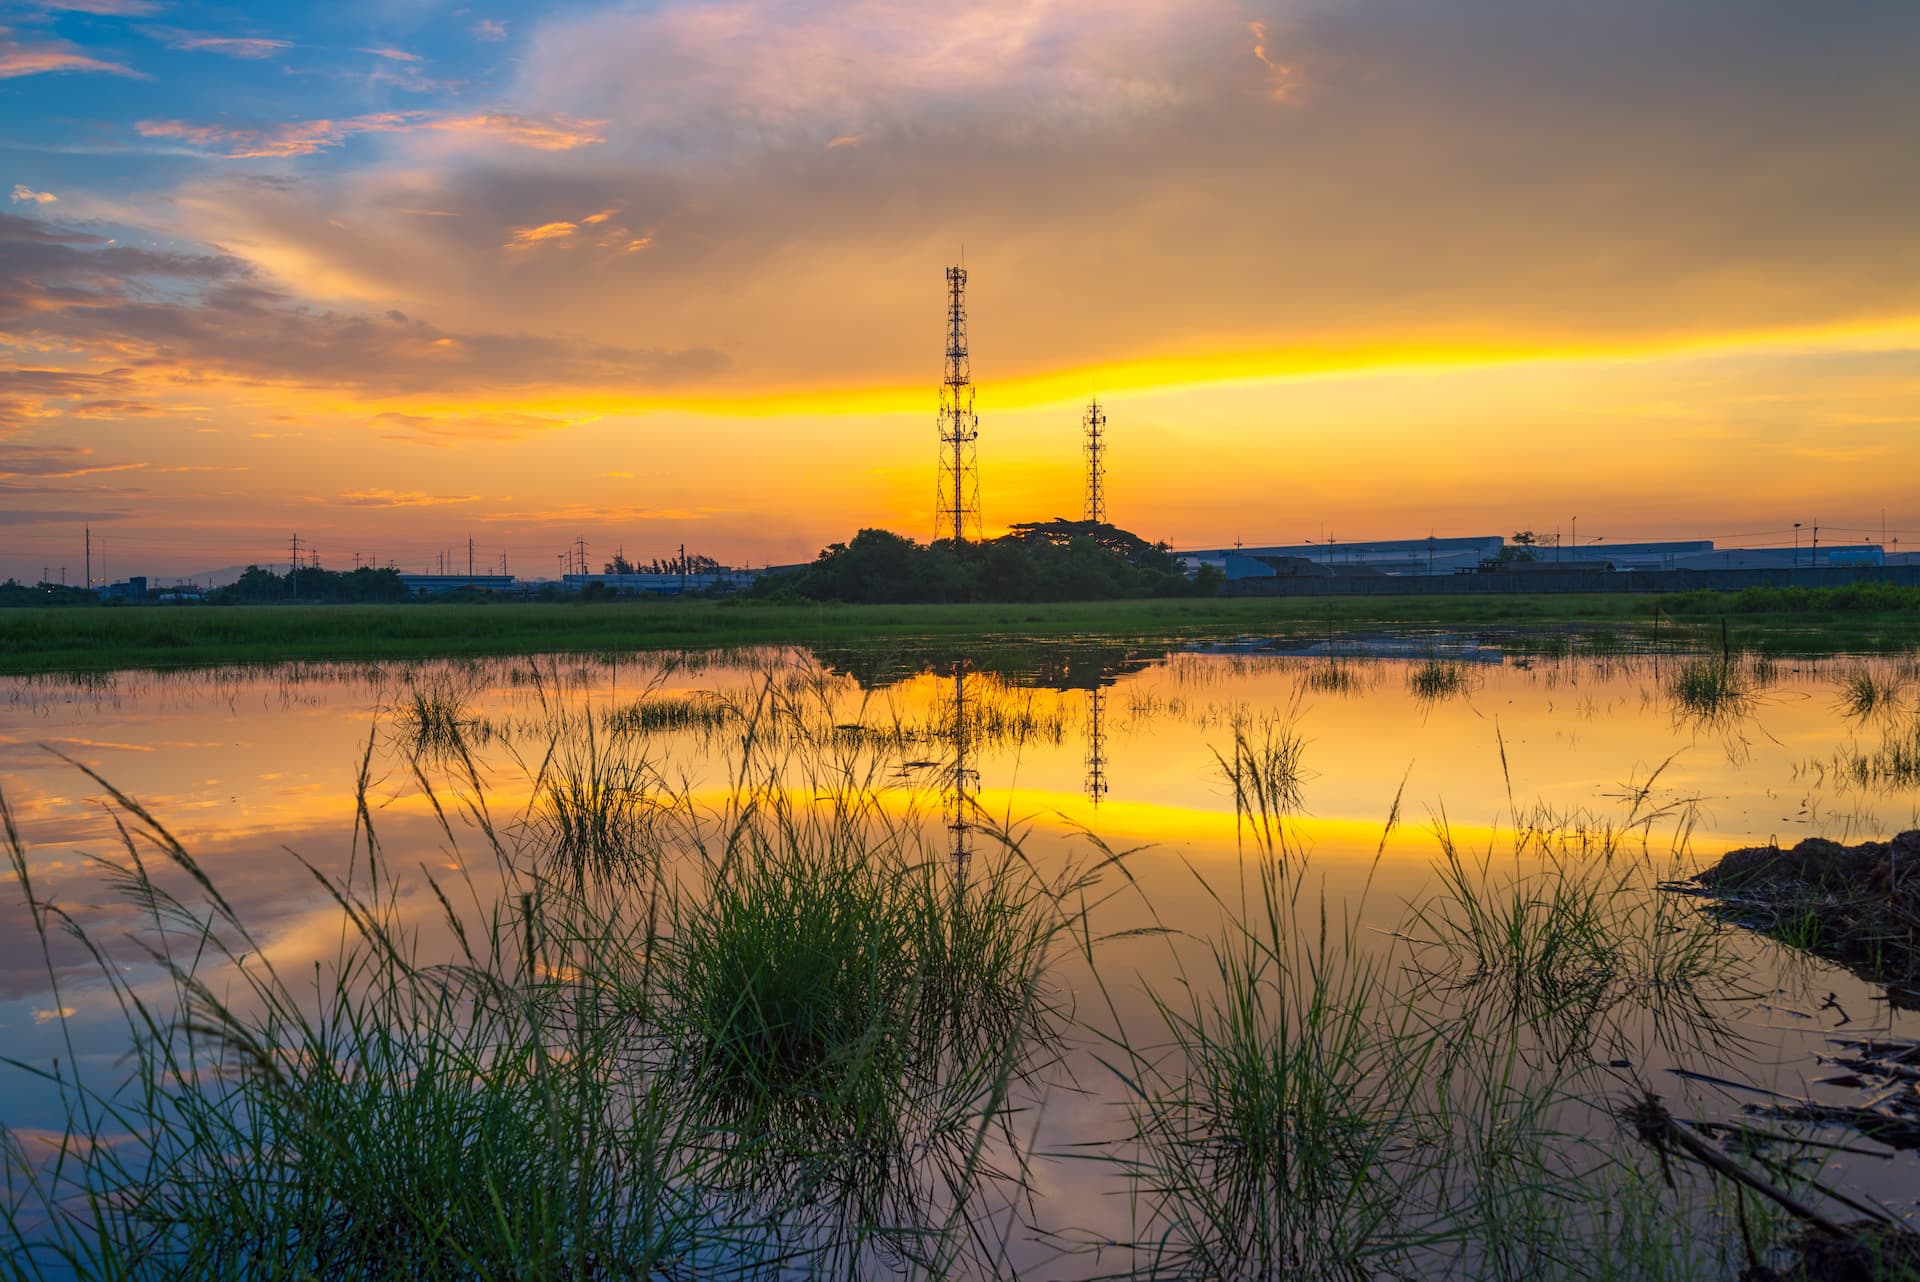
1619,581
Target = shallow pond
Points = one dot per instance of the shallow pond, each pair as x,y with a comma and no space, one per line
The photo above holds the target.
1353,773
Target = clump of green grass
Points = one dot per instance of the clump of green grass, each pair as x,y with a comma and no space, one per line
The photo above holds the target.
1270,1129
661,714
1712,689
376,1116
861,1009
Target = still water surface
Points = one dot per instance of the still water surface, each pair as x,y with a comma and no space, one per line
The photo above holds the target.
1079,742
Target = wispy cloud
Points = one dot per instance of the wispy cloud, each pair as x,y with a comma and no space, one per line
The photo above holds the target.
489,29
526,237
395,55
619,514
25,195
18,58
105,8
56,462
233,46
398,498
306,137
451,429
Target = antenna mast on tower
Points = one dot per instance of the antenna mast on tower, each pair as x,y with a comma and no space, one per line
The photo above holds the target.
957,503
1095,421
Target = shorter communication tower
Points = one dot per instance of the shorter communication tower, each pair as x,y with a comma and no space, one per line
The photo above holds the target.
1095,422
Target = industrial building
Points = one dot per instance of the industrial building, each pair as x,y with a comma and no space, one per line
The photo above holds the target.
664,584
1389,556
436,584
1405,557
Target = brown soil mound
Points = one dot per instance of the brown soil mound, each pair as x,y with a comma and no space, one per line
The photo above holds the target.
1857,905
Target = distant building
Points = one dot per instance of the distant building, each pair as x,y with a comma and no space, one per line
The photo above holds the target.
664,584
1387,556
133,589
436,584
1787,558
1628,556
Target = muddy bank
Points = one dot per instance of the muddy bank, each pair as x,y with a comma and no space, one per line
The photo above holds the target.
1856,905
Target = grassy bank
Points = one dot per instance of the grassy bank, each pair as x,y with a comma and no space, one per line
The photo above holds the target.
92,638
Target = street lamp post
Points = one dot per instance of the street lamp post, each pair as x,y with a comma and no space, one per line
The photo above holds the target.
1796,545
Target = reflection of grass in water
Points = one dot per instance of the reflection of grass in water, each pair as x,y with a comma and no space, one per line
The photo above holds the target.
1891,765
434,717
1266,773
1866,692
529,1109
1438,679
1333,676
593,810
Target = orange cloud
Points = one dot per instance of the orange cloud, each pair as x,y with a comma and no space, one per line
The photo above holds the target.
526,236
305,137
1280,77
396,55
399,498
556,133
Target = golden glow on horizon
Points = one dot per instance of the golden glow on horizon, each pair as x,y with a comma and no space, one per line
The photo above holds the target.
1164,374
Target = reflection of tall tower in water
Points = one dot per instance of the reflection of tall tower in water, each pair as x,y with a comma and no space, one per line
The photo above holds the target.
1096,744
963,784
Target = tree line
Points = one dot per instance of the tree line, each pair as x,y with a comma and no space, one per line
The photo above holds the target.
1035,561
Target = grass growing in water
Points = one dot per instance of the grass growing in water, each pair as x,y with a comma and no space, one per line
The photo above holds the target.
659,714
529,1107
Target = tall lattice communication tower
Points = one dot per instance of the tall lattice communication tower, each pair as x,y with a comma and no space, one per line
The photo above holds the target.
957,503
1095,422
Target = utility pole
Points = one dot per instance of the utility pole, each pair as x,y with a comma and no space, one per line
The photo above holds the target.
293,570
683,569
469,556
1813,559
89,530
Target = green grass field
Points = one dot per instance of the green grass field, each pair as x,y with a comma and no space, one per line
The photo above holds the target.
103,638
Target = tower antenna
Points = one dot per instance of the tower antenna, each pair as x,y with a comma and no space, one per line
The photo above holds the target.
957,500
1095,422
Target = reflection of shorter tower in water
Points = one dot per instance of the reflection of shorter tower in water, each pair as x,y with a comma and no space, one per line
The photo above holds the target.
1096,744
963,782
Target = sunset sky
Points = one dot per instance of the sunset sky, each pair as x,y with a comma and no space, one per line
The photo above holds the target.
390,273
